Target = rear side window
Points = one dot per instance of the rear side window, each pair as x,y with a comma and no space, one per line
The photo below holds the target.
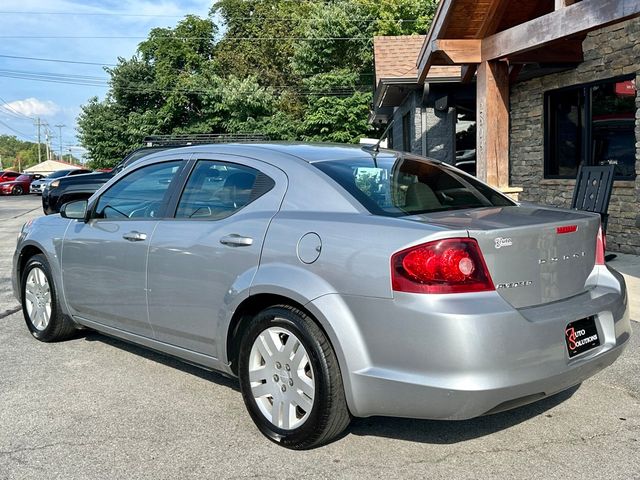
401,186
216,190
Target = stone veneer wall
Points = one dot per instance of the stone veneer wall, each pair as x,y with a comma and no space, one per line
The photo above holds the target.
610,52
438,130
410,104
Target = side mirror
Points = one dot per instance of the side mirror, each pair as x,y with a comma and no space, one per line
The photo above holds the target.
76,210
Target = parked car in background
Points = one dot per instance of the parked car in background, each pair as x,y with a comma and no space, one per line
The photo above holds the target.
20,185
67,189
38,185
77,187
8,175
333,281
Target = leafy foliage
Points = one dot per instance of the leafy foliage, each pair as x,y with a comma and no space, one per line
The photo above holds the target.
294,70
16,154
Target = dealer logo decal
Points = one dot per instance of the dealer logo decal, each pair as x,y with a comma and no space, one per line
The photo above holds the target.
575,340
503,242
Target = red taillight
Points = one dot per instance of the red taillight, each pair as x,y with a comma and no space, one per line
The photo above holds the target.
452,265
601,245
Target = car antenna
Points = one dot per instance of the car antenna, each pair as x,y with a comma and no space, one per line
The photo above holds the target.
375,148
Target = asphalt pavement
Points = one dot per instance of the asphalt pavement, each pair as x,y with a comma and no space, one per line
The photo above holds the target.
95,407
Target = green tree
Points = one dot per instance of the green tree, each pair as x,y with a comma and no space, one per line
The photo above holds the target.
334,116
288,69
17,154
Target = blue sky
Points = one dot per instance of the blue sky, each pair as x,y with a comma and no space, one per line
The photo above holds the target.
59,103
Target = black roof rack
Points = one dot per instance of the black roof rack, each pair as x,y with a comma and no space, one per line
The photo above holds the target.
196,139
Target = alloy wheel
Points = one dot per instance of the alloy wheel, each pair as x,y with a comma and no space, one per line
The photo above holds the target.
38,298
281,378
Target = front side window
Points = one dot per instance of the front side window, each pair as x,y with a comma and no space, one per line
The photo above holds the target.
401,186
216,190
140,194
591,125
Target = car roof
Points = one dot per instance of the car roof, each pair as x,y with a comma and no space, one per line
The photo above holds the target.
308,152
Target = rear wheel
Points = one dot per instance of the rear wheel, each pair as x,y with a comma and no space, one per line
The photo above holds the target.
17,190
40,305
290,379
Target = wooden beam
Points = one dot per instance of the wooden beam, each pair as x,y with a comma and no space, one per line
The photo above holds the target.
457,52
468,72
493,123
578,18
563,51
440,19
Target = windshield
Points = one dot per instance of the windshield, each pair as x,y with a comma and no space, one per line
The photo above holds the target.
24,178
58,174
401,186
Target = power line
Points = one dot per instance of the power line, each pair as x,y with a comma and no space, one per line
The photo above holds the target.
101,14
87,80
24,135
18,57
148,90
110,64
134,37
9,113
255,17
7,107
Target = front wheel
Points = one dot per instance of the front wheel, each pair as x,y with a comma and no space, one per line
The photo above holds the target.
40,305
17,190
290,379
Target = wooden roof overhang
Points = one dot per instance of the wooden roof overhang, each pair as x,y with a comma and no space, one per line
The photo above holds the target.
546,32
391,91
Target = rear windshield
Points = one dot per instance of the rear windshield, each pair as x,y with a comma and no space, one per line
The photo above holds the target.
401,186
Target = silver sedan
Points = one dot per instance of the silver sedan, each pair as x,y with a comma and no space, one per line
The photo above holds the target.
333,281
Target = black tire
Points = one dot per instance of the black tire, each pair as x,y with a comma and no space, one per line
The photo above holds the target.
59,327
329,415
17,190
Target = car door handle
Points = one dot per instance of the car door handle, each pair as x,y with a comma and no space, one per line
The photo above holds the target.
235,240
135,236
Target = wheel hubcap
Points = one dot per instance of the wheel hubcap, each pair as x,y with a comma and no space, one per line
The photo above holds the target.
281,378
38,298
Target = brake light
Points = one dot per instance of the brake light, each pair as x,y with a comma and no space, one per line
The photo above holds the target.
452,265
566,229
601,246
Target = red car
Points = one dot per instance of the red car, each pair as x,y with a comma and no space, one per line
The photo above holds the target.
19,185
8,175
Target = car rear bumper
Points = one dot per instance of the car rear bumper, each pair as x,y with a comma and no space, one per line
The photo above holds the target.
48,204
441,357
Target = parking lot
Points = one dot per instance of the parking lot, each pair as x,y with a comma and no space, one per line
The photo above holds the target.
95,407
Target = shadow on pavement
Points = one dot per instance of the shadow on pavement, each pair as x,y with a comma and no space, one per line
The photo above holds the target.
164,359
449,432
424,431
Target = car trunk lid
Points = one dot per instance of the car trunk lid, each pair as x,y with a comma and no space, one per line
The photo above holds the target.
535,255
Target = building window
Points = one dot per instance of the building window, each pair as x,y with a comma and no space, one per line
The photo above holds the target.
390,137
406,132
591,124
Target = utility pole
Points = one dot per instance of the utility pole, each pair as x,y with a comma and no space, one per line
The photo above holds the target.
39,150
47,141
60,125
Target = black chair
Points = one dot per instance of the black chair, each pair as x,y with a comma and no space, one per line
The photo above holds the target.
593,192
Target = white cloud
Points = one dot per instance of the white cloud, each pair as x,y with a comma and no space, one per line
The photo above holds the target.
33,107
